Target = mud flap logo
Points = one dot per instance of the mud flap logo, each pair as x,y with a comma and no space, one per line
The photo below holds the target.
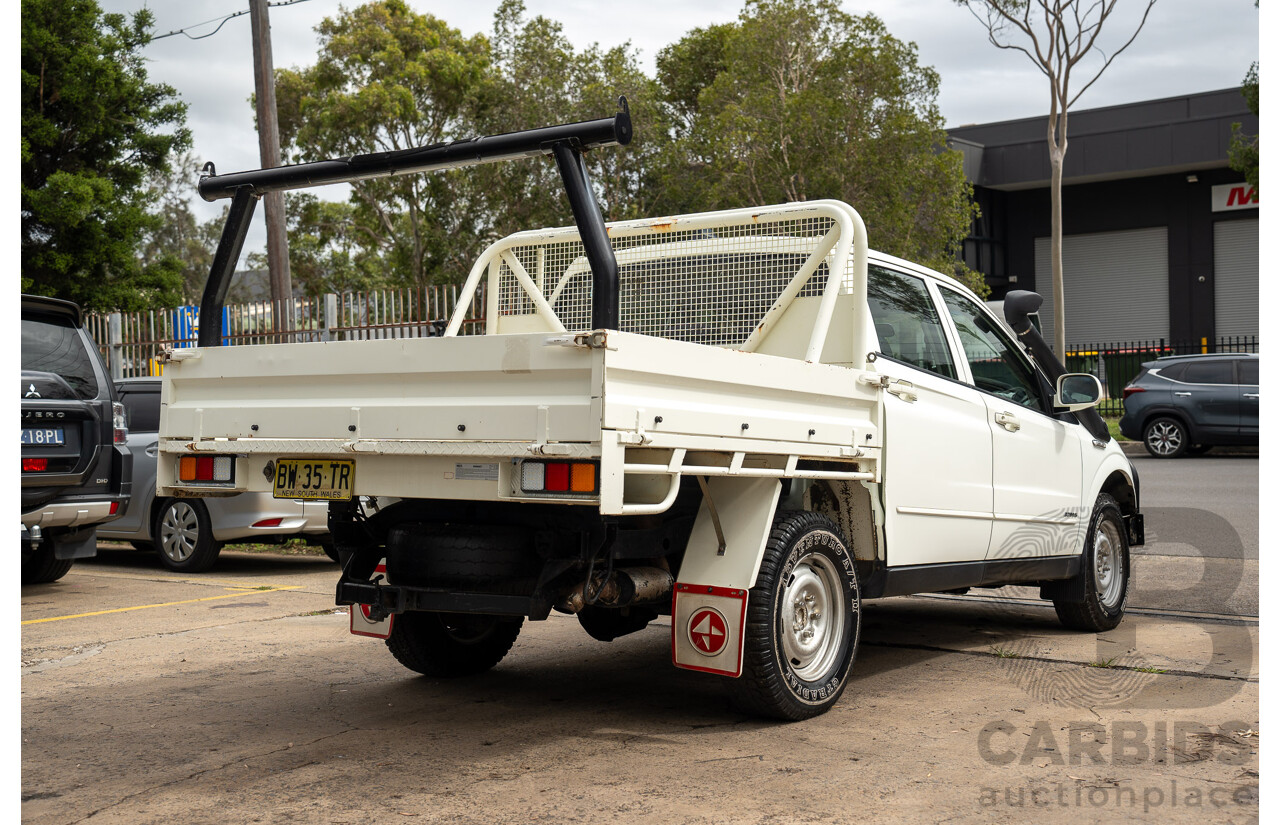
708,631
707,628
362,624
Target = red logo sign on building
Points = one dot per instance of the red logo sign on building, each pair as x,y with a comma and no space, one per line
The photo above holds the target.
708,631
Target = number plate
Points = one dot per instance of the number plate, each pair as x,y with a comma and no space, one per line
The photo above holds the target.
322,479
47,435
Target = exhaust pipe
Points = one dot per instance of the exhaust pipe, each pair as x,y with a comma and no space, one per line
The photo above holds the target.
625,587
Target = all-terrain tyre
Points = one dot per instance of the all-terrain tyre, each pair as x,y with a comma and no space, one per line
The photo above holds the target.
804,617
40,566
1105,570
451,644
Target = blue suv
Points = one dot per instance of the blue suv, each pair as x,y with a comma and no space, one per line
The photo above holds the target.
1186,404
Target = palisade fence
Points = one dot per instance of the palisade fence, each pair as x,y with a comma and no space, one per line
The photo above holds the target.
131,342
1118,363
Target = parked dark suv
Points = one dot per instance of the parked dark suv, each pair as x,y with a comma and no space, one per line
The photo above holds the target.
1186,404
76,470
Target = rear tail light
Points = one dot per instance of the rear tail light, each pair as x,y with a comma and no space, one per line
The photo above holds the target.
217,468
573,477
35,465
115,507
118,425
1128,391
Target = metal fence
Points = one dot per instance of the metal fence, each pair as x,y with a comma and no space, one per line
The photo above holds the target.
1117,363
131,342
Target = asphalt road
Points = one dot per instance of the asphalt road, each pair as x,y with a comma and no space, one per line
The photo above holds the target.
1202,544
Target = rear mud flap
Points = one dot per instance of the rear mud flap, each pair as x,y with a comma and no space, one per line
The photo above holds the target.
362,624
708,627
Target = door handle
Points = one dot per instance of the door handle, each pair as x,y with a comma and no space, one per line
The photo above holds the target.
902,389
152,450
1009,421
1251,395
1183,394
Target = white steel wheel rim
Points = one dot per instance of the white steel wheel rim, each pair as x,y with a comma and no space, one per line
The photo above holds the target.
812,617
1108,572
179,531
1164,437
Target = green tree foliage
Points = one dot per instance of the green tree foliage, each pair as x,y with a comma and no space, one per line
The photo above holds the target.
540,79
799,100
93,129
1242,154
177,235
388,78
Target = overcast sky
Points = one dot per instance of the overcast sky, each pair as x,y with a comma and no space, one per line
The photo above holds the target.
1187,46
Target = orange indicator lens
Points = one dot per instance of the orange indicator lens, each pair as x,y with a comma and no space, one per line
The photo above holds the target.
583,478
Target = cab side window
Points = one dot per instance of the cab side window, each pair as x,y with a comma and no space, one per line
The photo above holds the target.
995,365
906,321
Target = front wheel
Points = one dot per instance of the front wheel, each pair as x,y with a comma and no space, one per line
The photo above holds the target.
803,620
1105,572
184,536
451,644
1165,438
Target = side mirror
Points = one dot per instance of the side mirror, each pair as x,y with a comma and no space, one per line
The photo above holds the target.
1077,391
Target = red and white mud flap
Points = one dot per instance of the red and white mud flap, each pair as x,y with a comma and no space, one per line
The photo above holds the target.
361,624
707,625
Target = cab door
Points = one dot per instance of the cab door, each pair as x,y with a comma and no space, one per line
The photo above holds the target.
1037,474
937,444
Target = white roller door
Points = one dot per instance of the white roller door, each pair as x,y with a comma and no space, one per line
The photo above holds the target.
1116,286
1235,277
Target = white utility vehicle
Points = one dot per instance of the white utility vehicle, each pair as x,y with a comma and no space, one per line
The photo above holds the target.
746,420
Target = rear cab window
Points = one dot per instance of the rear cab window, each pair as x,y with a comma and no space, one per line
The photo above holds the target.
53,345
907,323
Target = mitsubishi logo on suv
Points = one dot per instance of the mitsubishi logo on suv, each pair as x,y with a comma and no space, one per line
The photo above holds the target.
31,392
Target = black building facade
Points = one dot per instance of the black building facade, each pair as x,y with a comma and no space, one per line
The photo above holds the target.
1160,236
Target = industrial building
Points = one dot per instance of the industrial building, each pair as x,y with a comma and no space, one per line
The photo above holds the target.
1160,236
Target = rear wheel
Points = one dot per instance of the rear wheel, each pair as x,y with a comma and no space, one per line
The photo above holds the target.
803,620
1165,438
41,566
184,536
451,644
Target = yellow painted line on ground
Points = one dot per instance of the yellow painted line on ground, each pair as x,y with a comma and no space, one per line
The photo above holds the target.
244,592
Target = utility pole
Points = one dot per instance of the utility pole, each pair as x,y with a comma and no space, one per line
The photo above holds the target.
264,82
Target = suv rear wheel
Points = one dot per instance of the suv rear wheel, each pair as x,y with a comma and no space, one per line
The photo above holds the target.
41,566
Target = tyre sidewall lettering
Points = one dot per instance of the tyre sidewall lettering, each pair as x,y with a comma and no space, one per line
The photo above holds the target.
830,545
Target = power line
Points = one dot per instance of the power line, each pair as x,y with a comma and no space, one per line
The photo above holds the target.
221,21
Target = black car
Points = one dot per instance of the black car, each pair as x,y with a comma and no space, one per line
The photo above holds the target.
76,469
1184,405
